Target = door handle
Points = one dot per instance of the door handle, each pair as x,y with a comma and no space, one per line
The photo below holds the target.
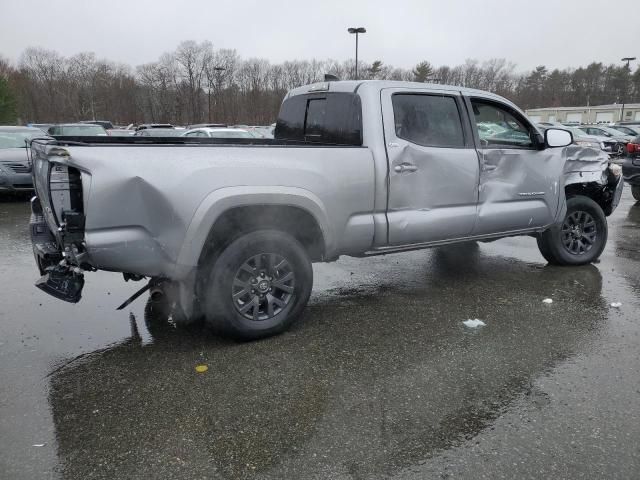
405,167
489,168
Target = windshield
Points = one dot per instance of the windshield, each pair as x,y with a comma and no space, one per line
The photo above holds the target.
17,139
613,131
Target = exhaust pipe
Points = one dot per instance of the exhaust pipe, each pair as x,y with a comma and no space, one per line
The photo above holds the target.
156,293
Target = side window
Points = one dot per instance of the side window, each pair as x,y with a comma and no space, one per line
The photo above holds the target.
428,120
314,120
497,126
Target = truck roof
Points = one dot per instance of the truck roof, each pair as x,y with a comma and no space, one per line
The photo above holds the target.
355,85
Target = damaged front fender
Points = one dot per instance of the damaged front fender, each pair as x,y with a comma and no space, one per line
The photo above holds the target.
588,172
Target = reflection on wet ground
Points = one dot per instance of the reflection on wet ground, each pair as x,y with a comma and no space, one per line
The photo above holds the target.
379,379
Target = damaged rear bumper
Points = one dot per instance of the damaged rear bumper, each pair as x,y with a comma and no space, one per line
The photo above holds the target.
60,278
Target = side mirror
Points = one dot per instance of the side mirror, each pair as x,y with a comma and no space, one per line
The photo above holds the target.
555,137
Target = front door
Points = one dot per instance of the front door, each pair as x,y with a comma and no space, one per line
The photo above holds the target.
433,166
519,183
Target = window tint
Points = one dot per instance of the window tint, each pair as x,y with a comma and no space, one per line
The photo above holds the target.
316,109
497,126
428,120
328,118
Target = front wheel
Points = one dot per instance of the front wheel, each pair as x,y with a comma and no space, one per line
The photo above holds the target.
581,237
635,191
258,285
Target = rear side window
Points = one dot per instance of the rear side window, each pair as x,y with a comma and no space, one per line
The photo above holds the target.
315,123
428,120
326,118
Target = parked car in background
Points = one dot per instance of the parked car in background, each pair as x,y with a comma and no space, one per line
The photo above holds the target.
209,125
103,123
631,167
634,131
121,132
261,132
146,126
218,133
42,126
15,172
158,132
579,137
614,141
77,130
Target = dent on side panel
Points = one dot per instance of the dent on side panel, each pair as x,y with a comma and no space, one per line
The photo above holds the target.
585,165
138,232
518,189
438,200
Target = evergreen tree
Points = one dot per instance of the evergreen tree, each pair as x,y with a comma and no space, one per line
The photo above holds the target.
7,103
422,72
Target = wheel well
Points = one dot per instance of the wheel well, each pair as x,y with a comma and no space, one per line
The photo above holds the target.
237,221
596,192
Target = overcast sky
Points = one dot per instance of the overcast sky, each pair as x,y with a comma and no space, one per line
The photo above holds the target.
556,33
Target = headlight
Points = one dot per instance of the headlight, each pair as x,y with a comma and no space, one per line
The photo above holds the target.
602,146
615,169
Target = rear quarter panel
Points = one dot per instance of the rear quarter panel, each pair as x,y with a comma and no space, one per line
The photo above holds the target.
151,207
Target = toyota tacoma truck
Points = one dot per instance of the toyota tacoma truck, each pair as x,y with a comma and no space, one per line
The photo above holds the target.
228,228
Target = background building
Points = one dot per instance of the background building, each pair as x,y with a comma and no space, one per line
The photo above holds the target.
594,114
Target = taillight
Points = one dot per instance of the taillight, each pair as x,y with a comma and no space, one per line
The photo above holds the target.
633,148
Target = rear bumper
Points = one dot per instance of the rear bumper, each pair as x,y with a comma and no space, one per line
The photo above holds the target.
59,279
46,250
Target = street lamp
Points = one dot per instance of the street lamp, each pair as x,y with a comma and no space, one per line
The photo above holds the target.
624,93
217,76
357,30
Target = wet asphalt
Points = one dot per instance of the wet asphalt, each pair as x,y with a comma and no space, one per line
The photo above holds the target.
380,378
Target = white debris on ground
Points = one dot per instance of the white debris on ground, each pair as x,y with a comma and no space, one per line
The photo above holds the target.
547,300
475,323
616,304
38,444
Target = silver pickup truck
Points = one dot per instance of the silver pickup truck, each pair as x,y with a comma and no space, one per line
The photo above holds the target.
228,228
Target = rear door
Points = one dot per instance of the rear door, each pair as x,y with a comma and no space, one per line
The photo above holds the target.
519,183
433,167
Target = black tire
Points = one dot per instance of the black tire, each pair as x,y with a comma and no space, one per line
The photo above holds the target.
581,237
635,191
273,296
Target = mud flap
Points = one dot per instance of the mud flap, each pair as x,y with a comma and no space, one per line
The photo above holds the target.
62,283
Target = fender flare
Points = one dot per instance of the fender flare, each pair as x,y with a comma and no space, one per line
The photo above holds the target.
221,200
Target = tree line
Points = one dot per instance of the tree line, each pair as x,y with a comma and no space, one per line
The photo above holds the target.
198,83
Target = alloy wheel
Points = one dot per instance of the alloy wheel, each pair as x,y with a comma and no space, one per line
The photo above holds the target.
263,286
579,232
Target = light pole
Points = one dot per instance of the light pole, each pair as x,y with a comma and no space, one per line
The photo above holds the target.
217,76
624,93
357,31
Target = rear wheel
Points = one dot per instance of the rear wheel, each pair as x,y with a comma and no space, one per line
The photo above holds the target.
258,285
635,191
581,237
